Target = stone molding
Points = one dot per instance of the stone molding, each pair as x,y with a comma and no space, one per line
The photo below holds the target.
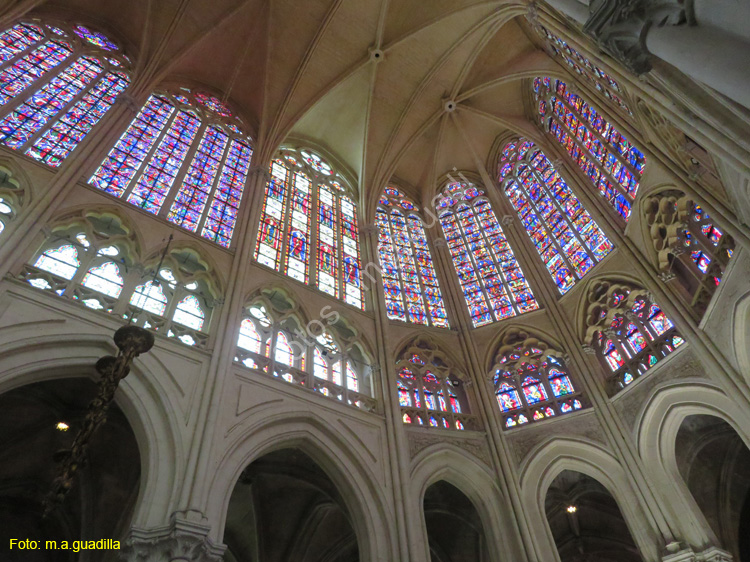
182,541
711,554
420,441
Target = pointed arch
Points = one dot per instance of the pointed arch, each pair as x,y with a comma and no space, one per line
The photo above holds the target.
76,73
148,165
553,456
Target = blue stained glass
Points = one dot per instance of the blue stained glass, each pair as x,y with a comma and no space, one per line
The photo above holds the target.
163,166
600,150
410,283
191,199
22,73
127,156
566,237
222,213
63,137
17,39
18,126
493,284
95,38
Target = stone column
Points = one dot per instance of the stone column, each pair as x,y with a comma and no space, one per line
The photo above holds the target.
633,30
181,541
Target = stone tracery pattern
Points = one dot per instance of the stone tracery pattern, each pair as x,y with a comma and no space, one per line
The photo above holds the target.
308,205
94,259
612,163
568,240
627,331
57,83
531,381
688,244
272,340
410,284
431,391
149,165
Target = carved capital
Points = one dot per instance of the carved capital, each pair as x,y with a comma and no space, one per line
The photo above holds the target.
620,26
588,349
711,554
183,541
666,276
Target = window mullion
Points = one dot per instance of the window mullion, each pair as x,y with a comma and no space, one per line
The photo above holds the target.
312,255
62,112
397,263
592,131
146,159
214,186
11,105
187,161
285,222
545,222
470,254
599,166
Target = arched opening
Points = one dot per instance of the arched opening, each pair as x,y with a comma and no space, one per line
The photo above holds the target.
101,502
454,528
285,507
586,522
715,465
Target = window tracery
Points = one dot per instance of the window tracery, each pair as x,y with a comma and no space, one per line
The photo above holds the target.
582,66
272,340
627,331
431,392
493,283
688,244
13,197
412,291
58,81
612,163
532,381
94,260
149,165
308,205
566,237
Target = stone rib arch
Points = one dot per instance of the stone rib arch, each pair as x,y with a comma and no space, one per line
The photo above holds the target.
550,458
346,462
657,426
452,464
155,423
519,332
741,329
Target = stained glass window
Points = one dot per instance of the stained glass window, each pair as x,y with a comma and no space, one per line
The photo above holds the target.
493,283
689,244
308,208
62,261
272,341
582,66
55,88
532,384
150,297
148,165
189,313
429,392
412,292
104,278
630,333
611,162
568,240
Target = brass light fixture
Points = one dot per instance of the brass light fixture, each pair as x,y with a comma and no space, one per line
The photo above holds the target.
131,341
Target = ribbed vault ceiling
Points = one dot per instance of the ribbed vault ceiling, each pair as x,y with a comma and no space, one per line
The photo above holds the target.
304,69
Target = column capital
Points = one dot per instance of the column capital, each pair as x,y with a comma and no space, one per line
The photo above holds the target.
711,554
620,26
182,541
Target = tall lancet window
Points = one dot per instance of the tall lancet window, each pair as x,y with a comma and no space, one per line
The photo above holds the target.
185,158
56,83
613,164
602,81
411,287
308,227
491,279
566,237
